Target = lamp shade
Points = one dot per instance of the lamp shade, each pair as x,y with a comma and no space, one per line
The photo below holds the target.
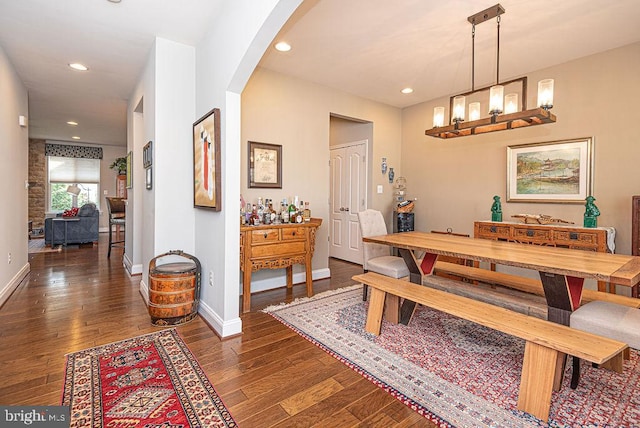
496,94
545,94
511,103
438,117
73,189
474,111
458,108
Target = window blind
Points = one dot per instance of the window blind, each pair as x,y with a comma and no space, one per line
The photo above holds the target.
73,170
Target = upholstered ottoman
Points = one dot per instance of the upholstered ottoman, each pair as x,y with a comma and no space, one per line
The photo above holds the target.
609,320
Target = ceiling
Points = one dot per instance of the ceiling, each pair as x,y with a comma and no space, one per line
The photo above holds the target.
369,48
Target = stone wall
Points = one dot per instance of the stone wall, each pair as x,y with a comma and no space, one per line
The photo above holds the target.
37,182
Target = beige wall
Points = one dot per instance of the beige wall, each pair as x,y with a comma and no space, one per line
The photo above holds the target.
278,109
596,96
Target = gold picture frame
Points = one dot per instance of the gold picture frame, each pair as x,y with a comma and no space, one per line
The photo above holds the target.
551,172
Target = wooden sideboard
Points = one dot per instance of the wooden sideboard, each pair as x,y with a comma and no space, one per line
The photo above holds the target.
552,235
276,246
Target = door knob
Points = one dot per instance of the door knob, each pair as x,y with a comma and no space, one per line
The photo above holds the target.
341,208
346,209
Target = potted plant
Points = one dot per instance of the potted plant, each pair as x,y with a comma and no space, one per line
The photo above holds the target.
120,164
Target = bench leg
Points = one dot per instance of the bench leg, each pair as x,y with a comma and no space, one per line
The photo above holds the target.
374,315
392,308
539,372
616,362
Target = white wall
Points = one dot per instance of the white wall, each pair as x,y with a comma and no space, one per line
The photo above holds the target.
224,61
296,114
162,217
14,152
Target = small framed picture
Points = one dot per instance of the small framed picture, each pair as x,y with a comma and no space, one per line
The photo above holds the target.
265,165
147,155
129,170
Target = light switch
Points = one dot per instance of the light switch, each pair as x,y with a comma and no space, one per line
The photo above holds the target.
379,188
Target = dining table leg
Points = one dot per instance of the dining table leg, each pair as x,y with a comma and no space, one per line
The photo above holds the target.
416,272
563,294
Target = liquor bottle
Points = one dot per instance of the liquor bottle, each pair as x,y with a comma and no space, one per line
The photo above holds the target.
299,213
266,213
255,220
284,212
272,212
243,215
260,210
306,214
293,208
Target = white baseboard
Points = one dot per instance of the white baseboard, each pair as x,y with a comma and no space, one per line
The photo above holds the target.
130,267
223,328
144,292
277,282
9,288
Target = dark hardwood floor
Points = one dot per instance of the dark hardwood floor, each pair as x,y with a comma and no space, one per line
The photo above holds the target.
268,376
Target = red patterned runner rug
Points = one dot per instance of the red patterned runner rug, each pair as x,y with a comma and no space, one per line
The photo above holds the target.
454,372
146,381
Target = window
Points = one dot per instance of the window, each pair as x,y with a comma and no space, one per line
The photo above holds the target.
80,173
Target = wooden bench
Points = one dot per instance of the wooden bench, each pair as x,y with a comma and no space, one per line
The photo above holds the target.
547,343
528,285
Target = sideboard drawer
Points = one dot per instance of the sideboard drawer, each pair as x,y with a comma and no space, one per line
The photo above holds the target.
291,233
264,236
493,231
531,234
279,250
580,238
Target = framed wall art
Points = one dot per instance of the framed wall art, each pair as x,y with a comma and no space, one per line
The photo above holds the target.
129,170
556,171
206,161
147,155
265,165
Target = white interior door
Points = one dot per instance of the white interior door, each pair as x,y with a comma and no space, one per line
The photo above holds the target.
348,197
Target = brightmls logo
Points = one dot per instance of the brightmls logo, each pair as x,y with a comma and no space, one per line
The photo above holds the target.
34,416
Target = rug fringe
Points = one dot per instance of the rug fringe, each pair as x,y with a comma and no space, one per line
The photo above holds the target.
299,300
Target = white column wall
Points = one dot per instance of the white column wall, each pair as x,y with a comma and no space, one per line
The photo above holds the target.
14,168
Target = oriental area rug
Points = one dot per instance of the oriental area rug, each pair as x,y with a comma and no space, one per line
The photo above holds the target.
454,372
146,381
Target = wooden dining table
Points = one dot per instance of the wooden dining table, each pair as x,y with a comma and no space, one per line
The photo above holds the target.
562,270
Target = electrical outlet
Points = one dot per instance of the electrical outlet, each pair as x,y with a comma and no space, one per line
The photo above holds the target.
9,258
211,278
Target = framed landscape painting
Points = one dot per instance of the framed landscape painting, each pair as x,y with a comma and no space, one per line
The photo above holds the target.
206,161
556,171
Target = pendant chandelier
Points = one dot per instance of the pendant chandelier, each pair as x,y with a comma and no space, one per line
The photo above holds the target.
504,112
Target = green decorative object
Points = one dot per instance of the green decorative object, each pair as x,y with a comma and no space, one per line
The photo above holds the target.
496,209
591,213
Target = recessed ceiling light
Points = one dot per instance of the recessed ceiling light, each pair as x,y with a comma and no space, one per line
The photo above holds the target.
283,46
407,90
75,137
78,66
114,1
72,123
